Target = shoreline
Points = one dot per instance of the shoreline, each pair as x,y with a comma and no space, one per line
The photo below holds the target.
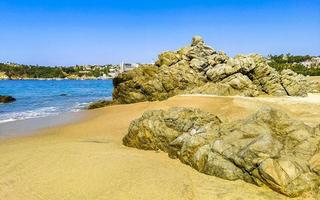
86,159
28,127
36,99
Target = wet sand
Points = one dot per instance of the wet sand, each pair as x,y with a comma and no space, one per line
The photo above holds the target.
29,126
86,159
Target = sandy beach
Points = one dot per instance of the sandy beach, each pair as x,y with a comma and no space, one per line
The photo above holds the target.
159,100
86,159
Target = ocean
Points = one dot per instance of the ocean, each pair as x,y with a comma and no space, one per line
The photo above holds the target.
42,98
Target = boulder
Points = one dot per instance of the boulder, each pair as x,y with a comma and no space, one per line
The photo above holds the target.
242,84
168,58
218,58
221,71
141,84
266,77
199,49
247,63
151,83
266,149
234,85
6,99
198,64
100,104
295,84
155,130
200,68
197,40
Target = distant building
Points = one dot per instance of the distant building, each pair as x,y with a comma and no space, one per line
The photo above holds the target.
113,70
313,62
124,67
87,68
84,72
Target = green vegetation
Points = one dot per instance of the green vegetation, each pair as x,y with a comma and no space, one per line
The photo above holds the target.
288,61
14,71
17,71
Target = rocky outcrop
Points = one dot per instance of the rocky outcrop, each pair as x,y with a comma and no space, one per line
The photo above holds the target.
268,148
151,83
6,99
199,68
100,104
297,84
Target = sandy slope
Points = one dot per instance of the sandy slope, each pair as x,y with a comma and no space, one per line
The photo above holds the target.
87,160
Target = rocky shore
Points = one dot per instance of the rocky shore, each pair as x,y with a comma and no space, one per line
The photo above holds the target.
100,104
87,159
268,148
6,99
200,69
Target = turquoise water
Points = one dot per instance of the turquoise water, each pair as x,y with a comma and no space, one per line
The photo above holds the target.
43,98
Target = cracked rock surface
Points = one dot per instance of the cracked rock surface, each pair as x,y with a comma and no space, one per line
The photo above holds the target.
266,149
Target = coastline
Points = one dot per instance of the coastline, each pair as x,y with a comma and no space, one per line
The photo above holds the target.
37,98
85,159
312,78
160,100
55,79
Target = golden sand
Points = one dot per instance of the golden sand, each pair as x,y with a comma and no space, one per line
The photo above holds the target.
87,161
314,78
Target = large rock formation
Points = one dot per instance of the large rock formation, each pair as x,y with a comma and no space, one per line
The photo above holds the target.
199,68
268,148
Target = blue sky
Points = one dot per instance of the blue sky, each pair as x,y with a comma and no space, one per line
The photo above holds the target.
68,32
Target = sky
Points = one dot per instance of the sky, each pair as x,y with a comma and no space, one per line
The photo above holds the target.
69,32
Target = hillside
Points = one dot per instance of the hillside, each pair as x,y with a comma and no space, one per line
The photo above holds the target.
18,71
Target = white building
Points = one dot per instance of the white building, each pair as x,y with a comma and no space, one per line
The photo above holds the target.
313,62
124,67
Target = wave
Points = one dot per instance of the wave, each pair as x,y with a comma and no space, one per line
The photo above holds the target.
79,106
43,112
29,114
